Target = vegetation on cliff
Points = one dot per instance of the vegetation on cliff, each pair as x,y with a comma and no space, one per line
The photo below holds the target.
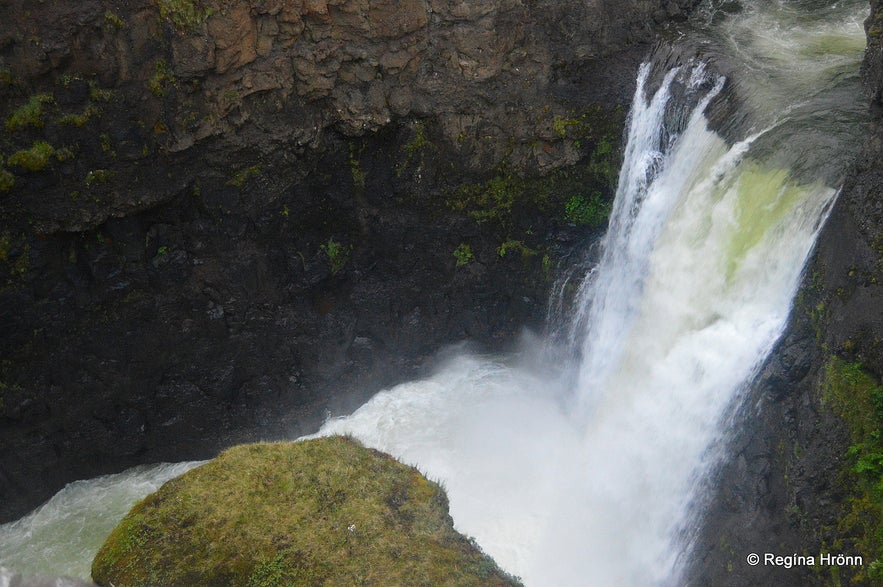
320,512
854,395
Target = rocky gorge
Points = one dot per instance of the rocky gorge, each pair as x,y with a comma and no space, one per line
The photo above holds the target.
224,221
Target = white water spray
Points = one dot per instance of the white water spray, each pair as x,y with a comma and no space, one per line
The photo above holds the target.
585,480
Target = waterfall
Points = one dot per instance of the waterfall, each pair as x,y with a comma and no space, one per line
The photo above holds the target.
588,483
584,475
587,478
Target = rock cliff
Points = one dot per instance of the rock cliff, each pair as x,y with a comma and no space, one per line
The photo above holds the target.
223,220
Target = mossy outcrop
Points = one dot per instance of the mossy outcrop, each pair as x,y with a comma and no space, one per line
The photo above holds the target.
320,512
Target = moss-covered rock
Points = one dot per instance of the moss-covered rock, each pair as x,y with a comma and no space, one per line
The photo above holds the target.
320,512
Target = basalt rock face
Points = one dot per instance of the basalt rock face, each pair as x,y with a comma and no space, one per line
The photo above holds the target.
222,221
259,77
872,72
791,486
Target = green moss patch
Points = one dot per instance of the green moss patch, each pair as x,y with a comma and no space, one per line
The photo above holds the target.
243,175
463,255
184,14
30,114
33,159
338,254
321,512
7,180
857,397
569,195
78,120
587,211
113,21
161,79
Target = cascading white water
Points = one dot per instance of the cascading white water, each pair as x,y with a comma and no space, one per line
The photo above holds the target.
588,486
584,479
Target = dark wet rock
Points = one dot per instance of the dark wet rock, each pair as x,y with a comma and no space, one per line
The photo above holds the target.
250,218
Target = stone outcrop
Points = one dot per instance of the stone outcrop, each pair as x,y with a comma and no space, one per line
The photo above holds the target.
325,511
222,221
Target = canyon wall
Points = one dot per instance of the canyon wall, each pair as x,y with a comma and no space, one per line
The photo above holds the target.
223,221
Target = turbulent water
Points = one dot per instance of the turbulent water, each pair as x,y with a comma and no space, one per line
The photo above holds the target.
63,535
581,472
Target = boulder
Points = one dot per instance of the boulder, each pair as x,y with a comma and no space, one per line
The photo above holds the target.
320,512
